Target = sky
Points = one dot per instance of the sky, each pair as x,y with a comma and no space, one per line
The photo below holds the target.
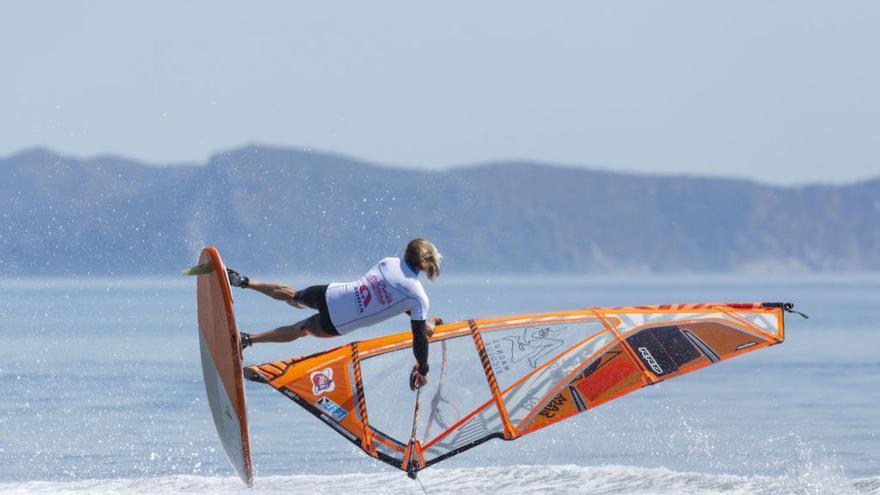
780,91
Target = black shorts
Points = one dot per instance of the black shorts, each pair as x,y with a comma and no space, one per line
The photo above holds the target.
315,297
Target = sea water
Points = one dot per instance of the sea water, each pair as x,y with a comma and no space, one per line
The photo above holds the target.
101,391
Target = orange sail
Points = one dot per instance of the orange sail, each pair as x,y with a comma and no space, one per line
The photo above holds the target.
507,377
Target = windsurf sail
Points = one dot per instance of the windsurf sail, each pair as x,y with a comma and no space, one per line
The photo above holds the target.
509,377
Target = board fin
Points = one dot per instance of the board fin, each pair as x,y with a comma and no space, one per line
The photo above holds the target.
198,269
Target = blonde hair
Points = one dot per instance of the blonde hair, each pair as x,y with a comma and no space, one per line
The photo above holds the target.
424,257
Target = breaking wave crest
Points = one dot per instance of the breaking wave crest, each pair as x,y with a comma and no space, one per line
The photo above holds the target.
533,479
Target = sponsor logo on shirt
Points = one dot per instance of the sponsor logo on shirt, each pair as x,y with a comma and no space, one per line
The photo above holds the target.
322,381
362,298
374,285
365,296
380,289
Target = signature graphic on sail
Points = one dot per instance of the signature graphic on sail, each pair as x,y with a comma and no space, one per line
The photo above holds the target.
533,344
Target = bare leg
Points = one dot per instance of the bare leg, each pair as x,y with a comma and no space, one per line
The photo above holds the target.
281,292
283,334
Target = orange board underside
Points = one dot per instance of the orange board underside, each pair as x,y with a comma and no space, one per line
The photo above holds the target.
221,362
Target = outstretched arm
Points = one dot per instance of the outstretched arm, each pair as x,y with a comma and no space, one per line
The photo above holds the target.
430,325
420,350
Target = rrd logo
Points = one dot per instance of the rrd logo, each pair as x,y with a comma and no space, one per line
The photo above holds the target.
650,360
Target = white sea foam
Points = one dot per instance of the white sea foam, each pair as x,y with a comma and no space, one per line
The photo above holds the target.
538,479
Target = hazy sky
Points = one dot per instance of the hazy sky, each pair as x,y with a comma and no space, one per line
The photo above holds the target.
784,91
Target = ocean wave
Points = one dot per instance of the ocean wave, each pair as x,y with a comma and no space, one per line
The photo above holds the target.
533,479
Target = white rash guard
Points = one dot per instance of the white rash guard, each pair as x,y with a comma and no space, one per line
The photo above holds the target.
388,289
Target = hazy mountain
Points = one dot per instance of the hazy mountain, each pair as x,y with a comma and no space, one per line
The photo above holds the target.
295,211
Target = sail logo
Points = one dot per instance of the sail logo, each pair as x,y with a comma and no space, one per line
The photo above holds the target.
534,344
649,359
322,381
334,410
745,346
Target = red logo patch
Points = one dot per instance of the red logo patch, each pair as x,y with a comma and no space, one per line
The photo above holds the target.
365,295
322,381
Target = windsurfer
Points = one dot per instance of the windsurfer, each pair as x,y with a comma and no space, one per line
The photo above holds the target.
389,288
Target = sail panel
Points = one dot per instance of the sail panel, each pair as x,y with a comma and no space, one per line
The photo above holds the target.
547,367
516,351
529,393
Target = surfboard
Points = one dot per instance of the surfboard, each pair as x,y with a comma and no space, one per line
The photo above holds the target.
221,361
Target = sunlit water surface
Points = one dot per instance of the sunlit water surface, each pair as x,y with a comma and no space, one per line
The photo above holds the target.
102,392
